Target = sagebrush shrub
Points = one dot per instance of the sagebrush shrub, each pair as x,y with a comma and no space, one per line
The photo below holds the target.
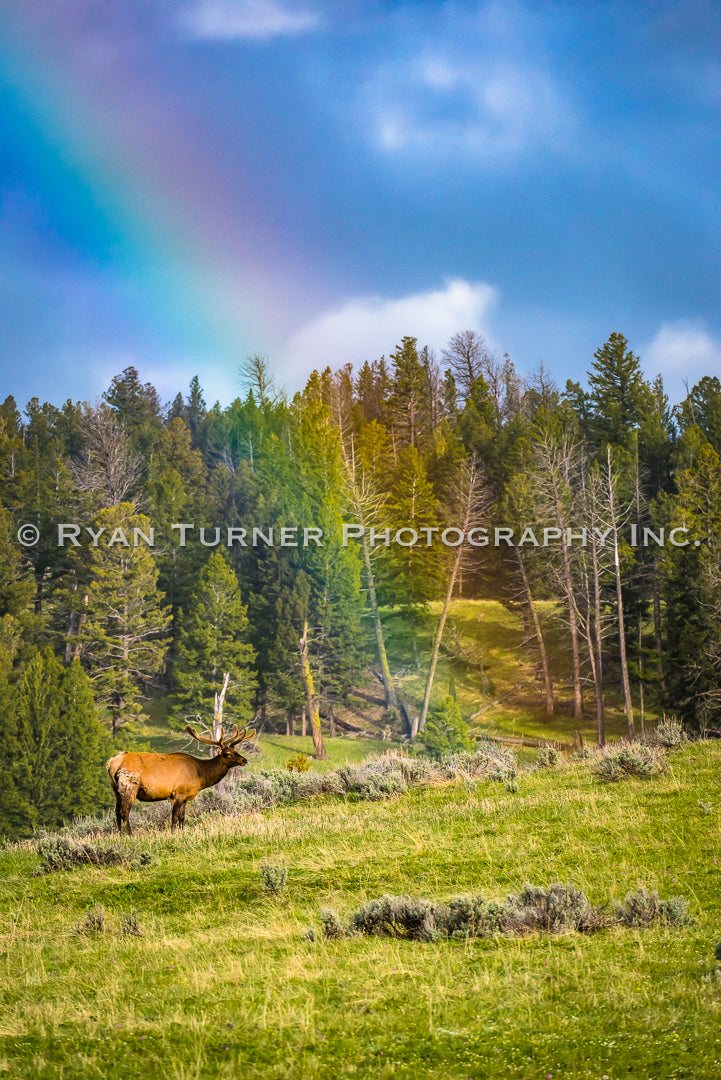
669,733
556,910
63,853
644,908
130,924
548,757
274,879
94,921
628,759
397,916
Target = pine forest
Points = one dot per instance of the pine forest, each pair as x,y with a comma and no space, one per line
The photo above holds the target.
330,563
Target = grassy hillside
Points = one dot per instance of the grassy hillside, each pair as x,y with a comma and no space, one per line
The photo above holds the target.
223,983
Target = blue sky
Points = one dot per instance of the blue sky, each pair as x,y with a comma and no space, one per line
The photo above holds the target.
184,182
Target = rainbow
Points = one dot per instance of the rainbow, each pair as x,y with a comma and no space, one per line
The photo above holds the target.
188,237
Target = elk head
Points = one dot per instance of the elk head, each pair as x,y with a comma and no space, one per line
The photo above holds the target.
226,745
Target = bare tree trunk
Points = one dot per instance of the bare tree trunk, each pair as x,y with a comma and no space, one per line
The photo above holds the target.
657,627
598,639
388,687
218,711
628,705
540,643
218,723
471,502
318,747
419,722
304,722
573,626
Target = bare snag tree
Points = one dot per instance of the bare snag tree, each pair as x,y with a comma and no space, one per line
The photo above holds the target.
473,499
107,465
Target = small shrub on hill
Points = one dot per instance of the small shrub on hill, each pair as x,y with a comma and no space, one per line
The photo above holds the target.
274,879
397,916
369,783
628,759
93,923
63,853
643,908
488,761
548,757
669,734
299,763
130,924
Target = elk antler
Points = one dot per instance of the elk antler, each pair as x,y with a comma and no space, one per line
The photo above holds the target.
204,738
235,736
241,736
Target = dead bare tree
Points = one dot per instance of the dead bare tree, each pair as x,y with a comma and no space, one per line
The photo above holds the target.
107,466
311,699
617,517
366,504
472,501
555,475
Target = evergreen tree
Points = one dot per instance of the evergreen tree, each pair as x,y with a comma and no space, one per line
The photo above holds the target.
122,634
213,633
618,395
55,769
692,591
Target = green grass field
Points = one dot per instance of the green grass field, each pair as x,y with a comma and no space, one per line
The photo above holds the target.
223,983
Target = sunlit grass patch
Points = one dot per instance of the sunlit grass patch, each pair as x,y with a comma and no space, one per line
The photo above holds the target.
222,982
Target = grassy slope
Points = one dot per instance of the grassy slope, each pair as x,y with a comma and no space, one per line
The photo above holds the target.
224,985
484,653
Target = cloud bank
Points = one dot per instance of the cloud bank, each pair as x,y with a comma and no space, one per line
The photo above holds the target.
682,351
366,328
258,20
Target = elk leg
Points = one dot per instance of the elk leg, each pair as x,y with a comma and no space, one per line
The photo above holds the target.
125,792
178,814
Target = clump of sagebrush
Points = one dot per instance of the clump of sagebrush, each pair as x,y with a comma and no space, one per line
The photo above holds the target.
559,909
398,916
368,783
94,921
669,733
299,763
414,770
214,801
273,879
332,927
548,757
643,908
64,853
130,924
615,761
488,761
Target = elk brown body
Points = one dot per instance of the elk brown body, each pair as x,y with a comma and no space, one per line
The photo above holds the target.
179,777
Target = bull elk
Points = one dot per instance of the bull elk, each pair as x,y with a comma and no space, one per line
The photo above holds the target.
154,777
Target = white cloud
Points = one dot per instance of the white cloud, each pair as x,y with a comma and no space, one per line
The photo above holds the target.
366,328
257,20
682,350
487,109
